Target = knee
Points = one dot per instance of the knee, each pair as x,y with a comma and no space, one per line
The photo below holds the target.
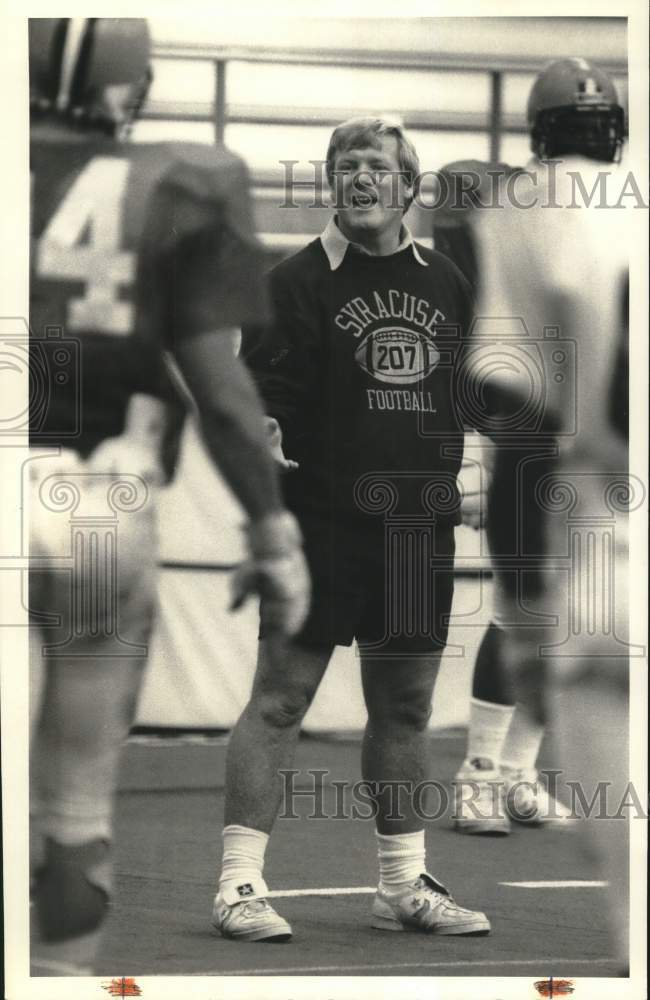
414,713
410,711
282,709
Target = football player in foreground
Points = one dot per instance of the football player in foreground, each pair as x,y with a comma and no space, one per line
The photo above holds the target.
136,251
498,780
562,267
358,394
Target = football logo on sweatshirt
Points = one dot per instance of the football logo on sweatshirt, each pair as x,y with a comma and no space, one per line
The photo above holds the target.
396,355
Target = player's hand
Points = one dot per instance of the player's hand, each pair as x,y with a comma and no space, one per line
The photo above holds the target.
125,455
275,570
472,483
274,432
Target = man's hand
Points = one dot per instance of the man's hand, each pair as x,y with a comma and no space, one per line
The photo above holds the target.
274,432
472,483
277,571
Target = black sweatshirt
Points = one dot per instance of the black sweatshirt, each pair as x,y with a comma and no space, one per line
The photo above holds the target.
359,369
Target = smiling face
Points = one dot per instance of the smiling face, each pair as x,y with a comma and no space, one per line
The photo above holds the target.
370,192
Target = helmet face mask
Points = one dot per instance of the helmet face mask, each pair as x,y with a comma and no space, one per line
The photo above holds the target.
92,72
573,109
113,108
596,133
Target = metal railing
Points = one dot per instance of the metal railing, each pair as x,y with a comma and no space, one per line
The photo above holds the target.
492,121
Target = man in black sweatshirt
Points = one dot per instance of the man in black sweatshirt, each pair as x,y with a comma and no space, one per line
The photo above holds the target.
358,376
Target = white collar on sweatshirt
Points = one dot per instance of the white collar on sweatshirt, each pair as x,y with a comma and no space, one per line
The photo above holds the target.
335,244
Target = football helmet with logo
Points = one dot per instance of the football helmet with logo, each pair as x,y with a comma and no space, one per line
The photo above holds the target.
93,71
573,109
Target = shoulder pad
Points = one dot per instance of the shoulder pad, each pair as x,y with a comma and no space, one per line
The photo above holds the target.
204,184
205,172
467,185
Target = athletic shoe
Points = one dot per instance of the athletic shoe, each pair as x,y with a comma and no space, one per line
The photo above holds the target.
479,799
70,899
71,890
527,801
241,912
425,906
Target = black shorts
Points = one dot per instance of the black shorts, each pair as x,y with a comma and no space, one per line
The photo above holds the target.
390,587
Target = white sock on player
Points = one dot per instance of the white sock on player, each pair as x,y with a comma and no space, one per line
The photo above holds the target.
488,728
522,743
243,855
401,859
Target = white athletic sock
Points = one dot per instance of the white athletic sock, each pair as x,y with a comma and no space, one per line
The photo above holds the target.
521,746
243,855
74,828
488,727
71,820
401,859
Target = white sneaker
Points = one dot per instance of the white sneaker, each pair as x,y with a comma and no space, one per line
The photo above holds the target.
241,912
425,906
479,799
527,801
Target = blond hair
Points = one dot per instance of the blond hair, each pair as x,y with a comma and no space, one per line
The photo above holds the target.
357,133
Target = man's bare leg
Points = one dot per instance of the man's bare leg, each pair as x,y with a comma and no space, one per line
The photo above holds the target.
398,695
261,746
264,739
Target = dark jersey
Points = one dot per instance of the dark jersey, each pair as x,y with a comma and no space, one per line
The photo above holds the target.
359,369
134,247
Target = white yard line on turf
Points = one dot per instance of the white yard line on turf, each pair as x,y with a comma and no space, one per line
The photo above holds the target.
540,963
365,890
571,884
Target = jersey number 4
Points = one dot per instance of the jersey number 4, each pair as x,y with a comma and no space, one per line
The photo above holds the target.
92,206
